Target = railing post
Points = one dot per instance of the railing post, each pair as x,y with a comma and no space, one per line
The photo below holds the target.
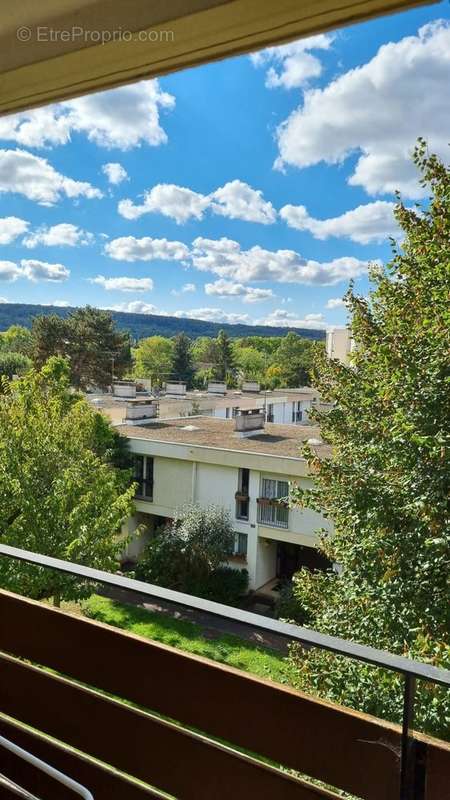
407,763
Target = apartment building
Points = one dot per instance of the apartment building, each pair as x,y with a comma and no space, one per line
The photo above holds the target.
242,464
339,344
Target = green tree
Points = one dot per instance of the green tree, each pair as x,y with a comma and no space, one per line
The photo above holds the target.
97,350
14,364
224,363
188,550
16,339
386,485
294,357
250,363
183,369
60,495
154,359
50,338
203,351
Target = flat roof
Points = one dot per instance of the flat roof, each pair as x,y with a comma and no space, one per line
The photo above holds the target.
205,431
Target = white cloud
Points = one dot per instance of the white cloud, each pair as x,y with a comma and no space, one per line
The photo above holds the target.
188,288
63,235
60,303
42,271
11,228
373,222
168,199
335,302
213,315
248,294
121,118
135,307
115,172
285,319
35,178
128,248
292,64
4,300
9,271
235,200
123,284
225,258
377,110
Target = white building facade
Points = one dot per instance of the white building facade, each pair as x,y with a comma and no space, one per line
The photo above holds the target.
271,540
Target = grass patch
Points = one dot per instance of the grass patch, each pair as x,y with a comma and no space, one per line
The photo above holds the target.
184,635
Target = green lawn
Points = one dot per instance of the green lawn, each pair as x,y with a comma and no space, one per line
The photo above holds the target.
184,635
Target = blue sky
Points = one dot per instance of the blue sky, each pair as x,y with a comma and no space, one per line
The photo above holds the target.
246,190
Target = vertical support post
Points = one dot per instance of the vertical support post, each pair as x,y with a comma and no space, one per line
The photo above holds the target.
407,753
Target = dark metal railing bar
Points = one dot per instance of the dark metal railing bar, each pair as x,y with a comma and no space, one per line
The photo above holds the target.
364,653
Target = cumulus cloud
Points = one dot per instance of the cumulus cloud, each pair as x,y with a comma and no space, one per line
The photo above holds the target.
121,118
248,294
292,65
225,258
115,172
63,235
35,178
213,315
285,319
135,307
11,228
335,302
123,284
42,271
372,222
235,200
9,271
168,199
377,110
129,248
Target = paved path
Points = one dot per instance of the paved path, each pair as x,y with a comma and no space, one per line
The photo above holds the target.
212,626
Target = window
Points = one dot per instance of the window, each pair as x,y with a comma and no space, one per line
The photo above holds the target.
270,510
297,412
269,414
242,497
143,475
240,544
234,411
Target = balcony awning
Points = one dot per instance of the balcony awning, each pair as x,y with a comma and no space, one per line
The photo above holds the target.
55,49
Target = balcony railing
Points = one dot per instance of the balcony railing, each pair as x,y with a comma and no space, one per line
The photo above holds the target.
273,512
185,725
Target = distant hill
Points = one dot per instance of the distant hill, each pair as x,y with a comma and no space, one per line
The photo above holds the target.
141,325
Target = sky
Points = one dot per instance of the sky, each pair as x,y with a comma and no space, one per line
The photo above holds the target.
249,190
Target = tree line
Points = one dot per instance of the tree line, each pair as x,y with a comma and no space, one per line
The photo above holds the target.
98,352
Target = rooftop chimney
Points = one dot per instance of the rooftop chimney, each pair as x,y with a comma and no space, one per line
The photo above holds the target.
139,411
217,387
251,386
175,389
249,422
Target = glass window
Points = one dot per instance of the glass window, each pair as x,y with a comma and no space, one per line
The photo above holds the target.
240,544
143,475
242,501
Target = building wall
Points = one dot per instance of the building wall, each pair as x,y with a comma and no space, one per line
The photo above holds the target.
211,478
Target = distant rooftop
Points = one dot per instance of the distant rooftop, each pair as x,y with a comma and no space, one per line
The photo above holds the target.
274,440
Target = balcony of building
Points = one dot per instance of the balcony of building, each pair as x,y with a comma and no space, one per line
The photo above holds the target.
113,715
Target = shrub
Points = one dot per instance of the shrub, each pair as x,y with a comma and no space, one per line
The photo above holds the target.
224,585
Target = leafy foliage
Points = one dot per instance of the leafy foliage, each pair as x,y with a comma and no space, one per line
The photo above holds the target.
88,337
224,363
188,550
60,495
16,339
182,368
12,363
154,359
386,487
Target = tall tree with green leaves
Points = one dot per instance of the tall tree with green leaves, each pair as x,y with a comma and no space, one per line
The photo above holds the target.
16,339
98,352
14,364
224,357
154,359
182,367
294,357
60,492
386,484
